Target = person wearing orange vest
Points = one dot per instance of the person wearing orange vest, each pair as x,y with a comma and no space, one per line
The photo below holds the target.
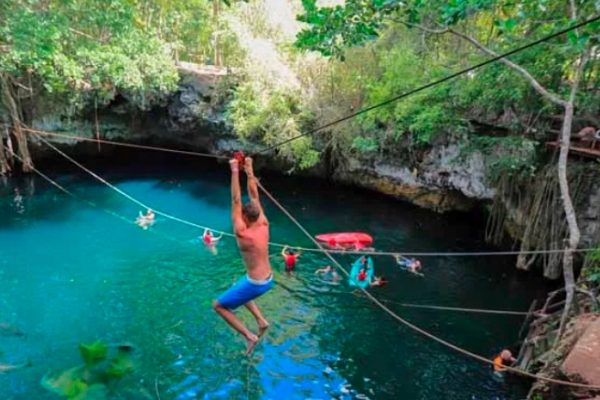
505,357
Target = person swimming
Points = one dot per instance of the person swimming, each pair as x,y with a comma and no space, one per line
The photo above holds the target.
411,265
290,258
362,272
209,239
328,274
502,360
379,281
145,220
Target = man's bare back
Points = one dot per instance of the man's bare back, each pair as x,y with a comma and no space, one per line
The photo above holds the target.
254,247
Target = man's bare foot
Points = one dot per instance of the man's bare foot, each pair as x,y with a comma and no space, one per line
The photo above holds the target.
262,327
251,342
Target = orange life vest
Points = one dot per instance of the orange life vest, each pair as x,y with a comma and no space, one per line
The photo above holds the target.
498,364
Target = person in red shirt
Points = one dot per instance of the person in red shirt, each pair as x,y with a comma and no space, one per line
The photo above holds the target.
290,257
362,274
209,239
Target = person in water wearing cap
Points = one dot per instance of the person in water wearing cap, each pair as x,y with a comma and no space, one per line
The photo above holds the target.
504,358
379,281
251,229
409,264
209,239
290,257
145,220
328,274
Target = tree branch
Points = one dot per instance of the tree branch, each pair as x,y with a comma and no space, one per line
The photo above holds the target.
75,31
573,10
421,27
536,85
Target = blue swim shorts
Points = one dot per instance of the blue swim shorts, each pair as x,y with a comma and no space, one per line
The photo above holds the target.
245,290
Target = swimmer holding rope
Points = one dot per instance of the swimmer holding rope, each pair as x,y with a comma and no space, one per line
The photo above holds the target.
251,229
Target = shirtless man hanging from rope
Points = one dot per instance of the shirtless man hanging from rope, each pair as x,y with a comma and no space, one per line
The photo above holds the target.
251,229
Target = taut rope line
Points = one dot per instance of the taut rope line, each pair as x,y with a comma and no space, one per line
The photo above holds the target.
122,144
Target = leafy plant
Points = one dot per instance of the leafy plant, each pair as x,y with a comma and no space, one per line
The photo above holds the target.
92,380
510,155
271,115
591,270
365,144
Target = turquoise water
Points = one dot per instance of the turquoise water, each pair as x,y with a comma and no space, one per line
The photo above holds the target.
70,273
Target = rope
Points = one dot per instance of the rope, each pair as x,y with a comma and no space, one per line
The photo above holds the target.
135,146
281,245
127,196
415,327
434,83
443,254
459,309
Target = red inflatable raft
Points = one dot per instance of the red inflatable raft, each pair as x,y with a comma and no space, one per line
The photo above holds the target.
355,240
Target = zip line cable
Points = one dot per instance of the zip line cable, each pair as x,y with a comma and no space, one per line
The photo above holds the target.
307,249
123,144
434,83
412,326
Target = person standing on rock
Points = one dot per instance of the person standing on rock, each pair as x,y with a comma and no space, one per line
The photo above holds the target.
251,229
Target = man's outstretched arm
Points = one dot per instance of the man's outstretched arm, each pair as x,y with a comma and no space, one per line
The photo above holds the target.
236,197
252,186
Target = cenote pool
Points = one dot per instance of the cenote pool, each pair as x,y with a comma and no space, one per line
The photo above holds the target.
71,273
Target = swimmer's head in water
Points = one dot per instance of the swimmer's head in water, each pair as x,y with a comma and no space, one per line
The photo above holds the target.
250,212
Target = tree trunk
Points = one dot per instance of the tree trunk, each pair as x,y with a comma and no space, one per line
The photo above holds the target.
4,165
11,106
216,5
574,233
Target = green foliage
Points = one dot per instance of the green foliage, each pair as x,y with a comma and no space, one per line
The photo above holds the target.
335,28
91,381
424,116
505,155
591,270
93,353
405,57
271,115
365,144
85,56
